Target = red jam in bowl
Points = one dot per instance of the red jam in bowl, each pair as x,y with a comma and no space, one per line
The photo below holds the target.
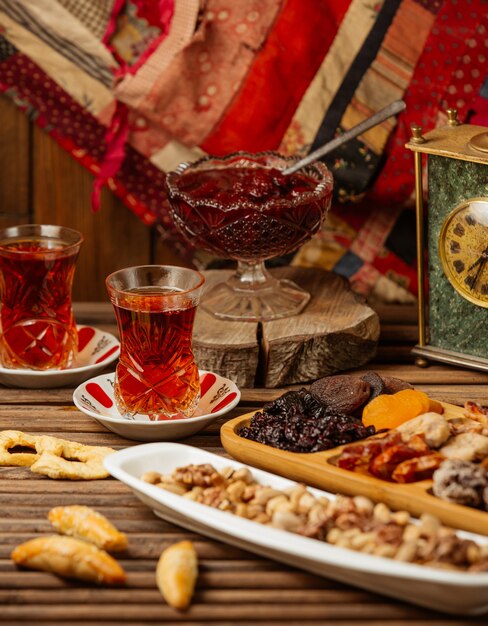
247,213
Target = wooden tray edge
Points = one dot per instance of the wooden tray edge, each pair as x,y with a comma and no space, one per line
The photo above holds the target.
314,470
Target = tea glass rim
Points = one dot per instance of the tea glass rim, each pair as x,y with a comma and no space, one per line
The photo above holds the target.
15,231
324,186
177,294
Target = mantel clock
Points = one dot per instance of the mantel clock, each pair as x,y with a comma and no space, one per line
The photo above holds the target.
453,310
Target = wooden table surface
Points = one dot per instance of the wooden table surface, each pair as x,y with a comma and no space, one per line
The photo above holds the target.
234,587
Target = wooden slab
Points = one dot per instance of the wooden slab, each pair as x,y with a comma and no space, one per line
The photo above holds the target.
335,332
318,470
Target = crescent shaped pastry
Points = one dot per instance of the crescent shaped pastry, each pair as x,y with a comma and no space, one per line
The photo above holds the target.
176,574
69,558
83,522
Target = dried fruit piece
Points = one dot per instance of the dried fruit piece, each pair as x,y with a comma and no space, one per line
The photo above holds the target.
344,394
298,422
467,447
435,406
391,411
384,464
461,482
432,426
176,574
376,383
394,385
361,454
419,468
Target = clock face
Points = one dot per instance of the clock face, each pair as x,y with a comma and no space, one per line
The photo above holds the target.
463,248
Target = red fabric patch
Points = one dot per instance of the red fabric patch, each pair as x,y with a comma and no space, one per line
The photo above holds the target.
446,75
279,77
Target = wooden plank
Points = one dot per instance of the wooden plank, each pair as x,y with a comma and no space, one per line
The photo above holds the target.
397,313
212,613
218,596
114,237
311,622
14,165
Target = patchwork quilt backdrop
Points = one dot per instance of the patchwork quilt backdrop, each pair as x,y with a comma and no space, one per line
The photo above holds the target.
130,88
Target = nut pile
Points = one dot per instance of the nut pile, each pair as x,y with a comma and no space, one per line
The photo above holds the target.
355,523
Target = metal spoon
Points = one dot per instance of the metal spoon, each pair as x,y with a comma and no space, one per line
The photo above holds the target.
392,109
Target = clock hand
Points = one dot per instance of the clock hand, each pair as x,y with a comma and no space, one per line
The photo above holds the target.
471,281
483,257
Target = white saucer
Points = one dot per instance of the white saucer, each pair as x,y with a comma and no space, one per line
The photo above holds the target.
96,350
95,397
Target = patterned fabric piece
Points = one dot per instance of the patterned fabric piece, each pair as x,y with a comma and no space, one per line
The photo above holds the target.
28,15
260,114
94,14
379,241
87,91
133,35
6,48
192,94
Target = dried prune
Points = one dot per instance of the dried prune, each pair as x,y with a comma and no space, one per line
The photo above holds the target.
376,383
344,394
299,422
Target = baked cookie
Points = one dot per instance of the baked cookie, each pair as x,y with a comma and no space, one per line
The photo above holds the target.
59,458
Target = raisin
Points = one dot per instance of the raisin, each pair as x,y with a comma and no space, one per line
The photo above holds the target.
299,422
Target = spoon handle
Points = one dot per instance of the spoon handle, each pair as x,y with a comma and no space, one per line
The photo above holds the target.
392,109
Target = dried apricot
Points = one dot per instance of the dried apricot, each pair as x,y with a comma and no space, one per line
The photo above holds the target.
390,411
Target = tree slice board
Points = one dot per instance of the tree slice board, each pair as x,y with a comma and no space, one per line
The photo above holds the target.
336,331
318,470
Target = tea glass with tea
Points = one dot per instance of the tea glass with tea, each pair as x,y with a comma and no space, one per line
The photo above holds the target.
155,307
37,325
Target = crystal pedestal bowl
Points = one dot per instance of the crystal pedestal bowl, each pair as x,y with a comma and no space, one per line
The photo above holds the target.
243,207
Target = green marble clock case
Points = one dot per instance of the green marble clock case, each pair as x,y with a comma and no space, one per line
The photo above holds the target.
453,322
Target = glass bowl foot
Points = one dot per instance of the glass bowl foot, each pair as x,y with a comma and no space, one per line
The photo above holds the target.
253,295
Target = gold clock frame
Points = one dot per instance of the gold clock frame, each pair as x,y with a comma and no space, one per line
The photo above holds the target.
442,250
456,141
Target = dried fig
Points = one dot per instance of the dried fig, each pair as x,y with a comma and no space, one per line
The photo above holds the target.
344,394
392,384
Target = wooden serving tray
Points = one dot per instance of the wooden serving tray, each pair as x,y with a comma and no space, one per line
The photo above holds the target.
317,469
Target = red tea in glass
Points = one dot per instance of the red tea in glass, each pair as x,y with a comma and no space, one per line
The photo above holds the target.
155,308
37,326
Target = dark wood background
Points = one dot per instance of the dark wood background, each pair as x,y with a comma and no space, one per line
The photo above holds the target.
40,183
